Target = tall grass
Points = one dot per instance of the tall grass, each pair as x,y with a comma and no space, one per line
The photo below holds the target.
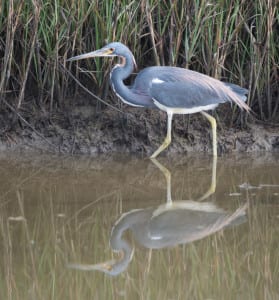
235,41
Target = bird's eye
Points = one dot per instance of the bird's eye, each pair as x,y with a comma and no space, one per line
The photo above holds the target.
111,49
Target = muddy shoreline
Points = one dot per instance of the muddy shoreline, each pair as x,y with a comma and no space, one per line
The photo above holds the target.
82,130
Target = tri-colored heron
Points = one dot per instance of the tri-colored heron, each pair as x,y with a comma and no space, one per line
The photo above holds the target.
171,89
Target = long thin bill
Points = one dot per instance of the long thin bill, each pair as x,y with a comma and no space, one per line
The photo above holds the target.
96,53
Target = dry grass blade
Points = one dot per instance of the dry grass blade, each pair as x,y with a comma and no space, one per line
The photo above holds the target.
35,23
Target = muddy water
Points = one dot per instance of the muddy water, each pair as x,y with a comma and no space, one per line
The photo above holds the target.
131,228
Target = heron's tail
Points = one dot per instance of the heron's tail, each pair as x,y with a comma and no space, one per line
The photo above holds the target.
241,94
240,91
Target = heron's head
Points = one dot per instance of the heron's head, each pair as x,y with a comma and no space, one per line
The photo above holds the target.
110,50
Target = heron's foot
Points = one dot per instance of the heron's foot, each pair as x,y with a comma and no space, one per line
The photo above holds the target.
161,148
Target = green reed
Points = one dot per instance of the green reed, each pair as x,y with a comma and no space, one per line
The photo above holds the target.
234,41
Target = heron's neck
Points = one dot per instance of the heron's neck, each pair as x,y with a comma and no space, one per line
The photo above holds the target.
128,94
120,72
123,69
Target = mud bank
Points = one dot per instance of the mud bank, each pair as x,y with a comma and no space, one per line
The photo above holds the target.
82,130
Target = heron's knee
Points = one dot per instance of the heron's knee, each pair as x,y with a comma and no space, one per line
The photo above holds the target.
167,141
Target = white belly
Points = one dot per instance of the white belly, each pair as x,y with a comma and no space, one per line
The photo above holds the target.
182,111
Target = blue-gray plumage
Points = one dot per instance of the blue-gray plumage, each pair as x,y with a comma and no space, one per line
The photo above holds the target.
171,89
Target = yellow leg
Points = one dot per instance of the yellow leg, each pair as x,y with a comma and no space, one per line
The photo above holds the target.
212,187
167,140
214,134
167,175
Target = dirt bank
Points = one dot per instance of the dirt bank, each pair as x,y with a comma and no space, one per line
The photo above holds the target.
82,130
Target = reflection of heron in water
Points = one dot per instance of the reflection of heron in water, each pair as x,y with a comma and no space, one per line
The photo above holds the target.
170,224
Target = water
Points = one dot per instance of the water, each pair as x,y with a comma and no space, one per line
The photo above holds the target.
61,217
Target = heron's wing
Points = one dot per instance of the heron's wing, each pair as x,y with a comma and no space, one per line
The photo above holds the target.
185,94
182,88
